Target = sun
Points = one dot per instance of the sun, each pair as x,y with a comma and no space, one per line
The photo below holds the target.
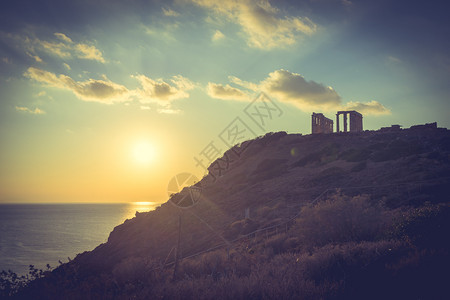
144,152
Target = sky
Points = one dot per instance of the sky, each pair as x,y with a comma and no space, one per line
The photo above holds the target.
107,101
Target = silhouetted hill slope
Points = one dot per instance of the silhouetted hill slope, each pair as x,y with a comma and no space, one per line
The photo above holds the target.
277,174
362,215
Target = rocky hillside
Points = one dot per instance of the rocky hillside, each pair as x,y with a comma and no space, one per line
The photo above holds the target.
340,193
275,175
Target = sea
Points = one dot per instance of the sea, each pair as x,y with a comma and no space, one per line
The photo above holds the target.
41,234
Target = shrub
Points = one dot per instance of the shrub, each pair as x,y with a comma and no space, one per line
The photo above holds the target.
212,264
281,243
340,219
11,283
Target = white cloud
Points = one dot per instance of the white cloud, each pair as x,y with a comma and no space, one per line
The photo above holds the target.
182,82
65,48
67,66
169,12
161,92
293,88
245,84
226,92
218,35
261,22
63,37
35,57
89,52
105,91
143,107
91,90
36,111
369,108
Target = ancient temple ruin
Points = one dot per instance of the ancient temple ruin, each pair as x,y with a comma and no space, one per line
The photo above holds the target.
356,124
321,124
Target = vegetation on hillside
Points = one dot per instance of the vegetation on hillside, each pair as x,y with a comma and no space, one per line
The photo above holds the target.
340,248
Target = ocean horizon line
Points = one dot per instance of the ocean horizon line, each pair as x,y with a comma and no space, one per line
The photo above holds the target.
81,202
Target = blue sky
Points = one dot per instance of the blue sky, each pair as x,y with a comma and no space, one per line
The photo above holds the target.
83,82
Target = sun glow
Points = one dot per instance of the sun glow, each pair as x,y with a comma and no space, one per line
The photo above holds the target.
144,152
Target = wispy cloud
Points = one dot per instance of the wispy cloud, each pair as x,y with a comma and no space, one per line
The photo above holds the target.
63,47
393,60
346,2
261,22
169,111
163,32
63,37
369,108
226,92
89,52
218,35
169,12
36,111
35,57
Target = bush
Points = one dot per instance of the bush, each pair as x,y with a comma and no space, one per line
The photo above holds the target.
11,283
213,264
340,219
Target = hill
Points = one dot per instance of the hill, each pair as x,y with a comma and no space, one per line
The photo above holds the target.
343,215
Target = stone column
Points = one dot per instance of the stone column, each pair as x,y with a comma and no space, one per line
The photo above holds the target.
345,122
337,122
